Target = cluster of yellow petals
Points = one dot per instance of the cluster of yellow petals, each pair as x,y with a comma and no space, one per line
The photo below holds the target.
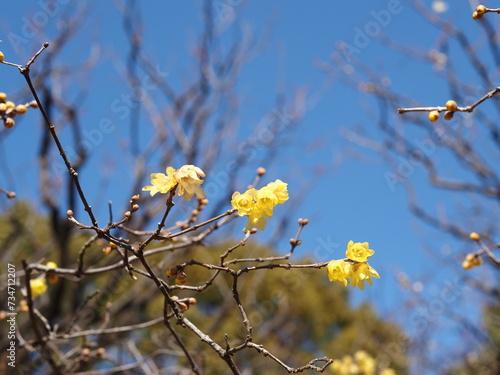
38,287
186,179
354,270
258,205
361,364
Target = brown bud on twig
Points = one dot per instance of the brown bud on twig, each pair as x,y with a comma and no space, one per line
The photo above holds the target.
69,213
134,207
172,271
182,306
11,194
128,214
135,198
292,241
9,123
261,171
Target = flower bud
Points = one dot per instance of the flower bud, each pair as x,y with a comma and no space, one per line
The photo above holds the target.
134,207
3,96
33,104
474,236
448,115
480,10
261,171
182,306
9,123
52,277
476,16
433,116
2,56
69,213
21,109
135,198
171,271
128,214
451,105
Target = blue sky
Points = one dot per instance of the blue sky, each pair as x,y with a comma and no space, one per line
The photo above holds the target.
352,200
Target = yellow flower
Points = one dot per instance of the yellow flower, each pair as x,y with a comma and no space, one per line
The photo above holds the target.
38,287
358,252
188,177
266,200
162,183
259,204
256,221
279,188
362,272
388,371
366,363
339,271
244,203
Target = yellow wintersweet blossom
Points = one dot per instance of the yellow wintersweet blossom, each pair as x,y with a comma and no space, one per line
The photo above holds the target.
366,363
244,203
354,270
362,272
38,287
266,200
186,179
361,363
258,205
358,252
162,183
339,271
279,188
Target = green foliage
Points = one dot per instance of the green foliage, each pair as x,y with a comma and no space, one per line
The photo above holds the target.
296,314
